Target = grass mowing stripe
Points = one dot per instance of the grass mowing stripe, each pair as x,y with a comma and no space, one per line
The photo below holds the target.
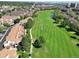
73,47
64,54
70,45
56,41
60,42
55,46
69,54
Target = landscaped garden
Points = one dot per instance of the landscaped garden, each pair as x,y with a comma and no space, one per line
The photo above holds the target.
57,41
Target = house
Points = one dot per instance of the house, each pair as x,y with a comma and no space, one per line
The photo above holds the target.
13,38
8,53
8,19
18,13
15,34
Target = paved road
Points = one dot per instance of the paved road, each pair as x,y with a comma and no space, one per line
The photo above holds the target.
3,37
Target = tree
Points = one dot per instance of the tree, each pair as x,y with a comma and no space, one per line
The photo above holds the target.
3,13
73,24
16,21
22,54
57,16
6,24
71,13
25,43
29,24
13,9
0,15
2,28
54,16
24,46
9,11
63,24
38,42
22,17
77,18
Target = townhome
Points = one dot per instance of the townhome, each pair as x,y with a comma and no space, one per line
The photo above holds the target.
18,13
12,40
8,53
8,19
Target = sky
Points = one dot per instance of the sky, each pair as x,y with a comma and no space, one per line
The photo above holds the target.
42,0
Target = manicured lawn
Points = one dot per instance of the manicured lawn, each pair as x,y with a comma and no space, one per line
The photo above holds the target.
57,41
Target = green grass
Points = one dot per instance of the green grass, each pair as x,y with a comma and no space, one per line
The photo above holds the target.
57,41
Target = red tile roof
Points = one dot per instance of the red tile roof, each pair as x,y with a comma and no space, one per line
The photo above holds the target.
16,33
8,53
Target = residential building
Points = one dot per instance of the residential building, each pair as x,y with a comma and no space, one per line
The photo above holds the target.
12,40
8,19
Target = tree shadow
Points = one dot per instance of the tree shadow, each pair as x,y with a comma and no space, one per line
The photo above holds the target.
60,26
73,37
77,33
54,22
69,30
77,44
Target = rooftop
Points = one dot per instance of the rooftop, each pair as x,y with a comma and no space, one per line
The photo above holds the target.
18,13
7,17
8,53
16,33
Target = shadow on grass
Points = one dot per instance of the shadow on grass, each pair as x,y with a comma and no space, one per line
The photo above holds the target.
69,30
60,26
54,22
73,37
77,44
77,33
